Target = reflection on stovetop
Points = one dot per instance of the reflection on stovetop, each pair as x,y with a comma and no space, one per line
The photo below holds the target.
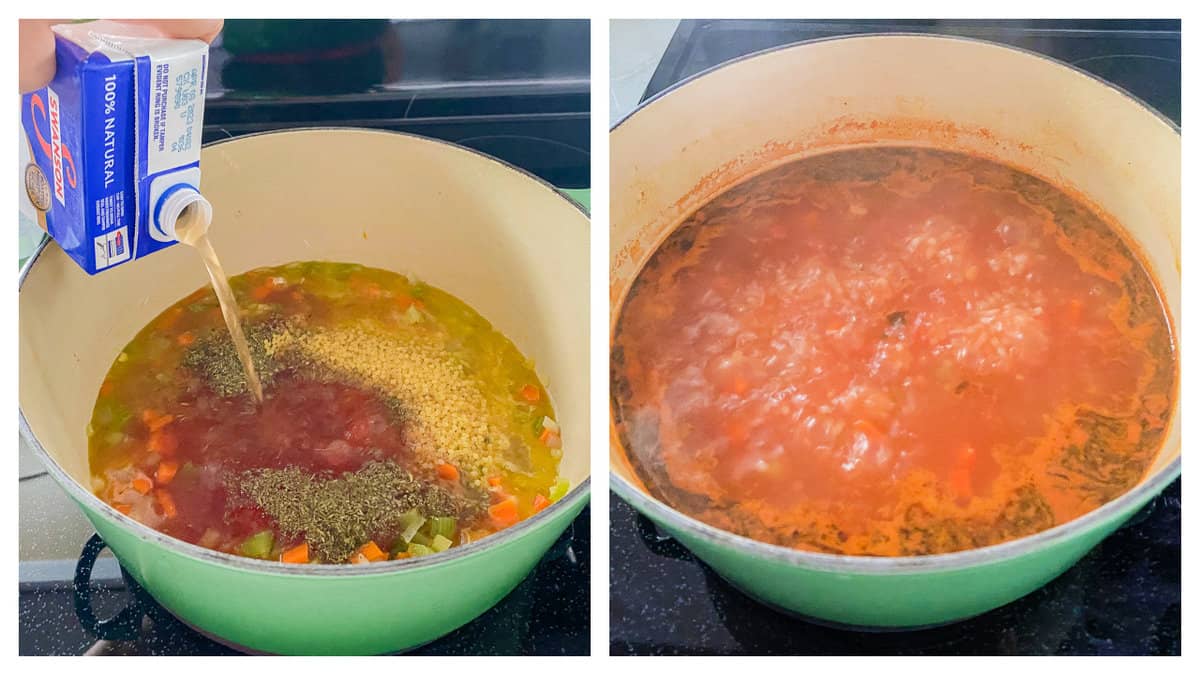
547,614
518,90
1122,598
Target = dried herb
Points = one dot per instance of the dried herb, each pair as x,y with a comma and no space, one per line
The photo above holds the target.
214,358
337,514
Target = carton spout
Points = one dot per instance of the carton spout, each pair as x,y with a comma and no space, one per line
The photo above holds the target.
183,214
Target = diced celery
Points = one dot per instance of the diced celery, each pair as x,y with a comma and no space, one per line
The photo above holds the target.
444,526
259,545
560,489
411,521
418,550
398,546
112,414
188,472
114,438
420,539
412,314
440,543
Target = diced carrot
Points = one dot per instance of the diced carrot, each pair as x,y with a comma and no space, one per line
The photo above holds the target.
185,338
268,286
402,555
1156,404
960,475
504,513
1133,432
868,429
530,393
210,539
162,422
106,388
1074,311
735,430
142,483
165,502
368,552
163,442
447,472
373,552
418,304
740,386
295,554
540,502
166,471
123,508
494,481
170,317
154,421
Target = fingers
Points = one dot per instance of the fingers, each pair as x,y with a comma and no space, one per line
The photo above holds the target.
37,40
36,53
191,29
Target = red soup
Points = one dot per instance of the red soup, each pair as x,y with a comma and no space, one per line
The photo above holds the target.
892,351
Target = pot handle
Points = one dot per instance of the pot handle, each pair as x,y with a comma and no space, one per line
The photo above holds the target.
658,543
123,626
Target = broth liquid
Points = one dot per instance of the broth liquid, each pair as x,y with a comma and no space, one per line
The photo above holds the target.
229,308
892,351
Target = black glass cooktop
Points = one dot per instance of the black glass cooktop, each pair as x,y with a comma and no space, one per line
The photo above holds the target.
1122,598
516,89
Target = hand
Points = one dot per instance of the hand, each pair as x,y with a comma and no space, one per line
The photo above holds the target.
37,40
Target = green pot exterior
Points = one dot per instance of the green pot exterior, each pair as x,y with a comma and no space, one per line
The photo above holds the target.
296,613
893,598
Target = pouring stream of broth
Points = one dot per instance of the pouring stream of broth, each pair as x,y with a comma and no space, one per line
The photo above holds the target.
194,233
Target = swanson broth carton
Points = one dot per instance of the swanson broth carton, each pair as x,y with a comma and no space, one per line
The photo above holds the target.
115,142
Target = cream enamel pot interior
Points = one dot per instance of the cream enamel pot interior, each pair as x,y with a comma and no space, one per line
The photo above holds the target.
681,148
507,244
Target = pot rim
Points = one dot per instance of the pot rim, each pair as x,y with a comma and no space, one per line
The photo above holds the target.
577,494
889,35
940,562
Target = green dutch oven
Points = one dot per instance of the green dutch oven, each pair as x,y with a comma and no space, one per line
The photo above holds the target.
506,243
683,147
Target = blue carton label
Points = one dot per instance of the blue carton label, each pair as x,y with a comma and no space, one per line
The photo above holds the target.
118,126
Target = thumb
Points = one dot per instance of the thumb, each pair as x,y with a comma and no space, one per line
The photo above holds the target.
36,53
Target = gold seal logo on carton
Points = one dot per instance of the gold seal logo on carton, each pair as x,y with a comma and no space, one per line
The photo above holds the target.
37,187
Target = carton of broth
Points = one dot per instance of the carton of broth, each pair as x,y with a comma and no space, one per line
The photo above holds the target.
115,139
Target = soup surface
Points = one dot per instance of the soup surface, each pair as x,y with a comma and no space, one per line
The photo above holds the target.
892,351
396,421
